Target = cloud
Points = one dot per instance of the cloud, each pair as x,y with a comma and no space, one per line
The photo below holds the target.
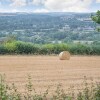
51,5
18,3
39,2
97,1
68,5
6,11
41,11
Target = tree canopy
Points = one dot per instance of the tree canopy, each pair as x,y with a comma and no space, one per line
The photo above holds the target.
96,18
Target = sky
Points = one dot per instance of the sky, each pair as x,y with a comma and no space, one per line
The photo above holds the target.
45,6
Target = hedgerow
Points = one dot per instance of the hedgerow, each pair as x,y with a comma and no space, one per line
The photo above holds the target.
18,47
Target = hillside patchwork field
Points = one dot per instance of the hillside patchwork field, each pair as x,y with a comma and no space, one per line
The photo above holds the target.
49,70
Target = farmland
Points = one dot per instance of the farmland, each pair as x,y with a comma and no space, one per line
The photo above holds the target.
49,70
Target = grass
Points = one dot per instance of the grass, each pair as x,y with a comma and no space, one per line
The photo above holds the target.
89,92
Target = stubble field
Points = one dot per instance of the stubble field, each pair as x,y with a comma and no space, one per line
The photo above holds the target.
49,70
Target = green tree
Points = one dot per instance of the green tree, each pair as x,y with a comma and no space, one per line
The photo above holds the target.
96,18
10,38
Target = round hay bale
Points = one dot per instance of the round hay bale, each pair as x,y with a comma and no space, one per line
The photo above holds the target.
65,55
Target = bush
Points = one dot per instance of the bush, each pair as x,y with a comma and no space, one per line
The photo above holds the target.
10,47
96,49
3,50
53,48
25,48
80,49
18,47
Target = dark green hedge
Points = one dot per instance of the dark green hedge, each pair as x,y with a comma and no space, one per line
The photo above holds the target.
17,47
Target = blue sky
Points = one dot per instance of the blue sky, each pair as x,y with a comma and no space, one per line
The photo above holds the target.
49,5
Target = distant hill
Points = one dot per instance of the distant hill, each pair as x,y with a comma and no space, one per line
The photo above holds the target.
48,27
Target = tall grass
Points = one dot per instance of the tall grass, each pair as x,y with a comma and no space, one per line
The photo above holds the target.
90,92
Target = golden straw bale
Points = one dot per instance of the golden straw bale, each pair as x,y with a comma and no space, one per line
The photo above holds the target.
65,55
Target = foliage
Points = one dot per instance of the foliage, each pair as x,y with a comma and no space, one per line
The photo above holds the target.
18,47
47,28
3,50
89,92
25,48
10,38
96,18
10,47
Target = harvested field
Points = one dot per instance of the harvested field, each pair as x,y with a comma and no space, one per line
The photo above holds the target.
49,70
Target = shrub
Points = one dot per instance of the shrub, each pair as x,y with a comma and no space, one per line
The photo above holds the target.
96,49
10,47
18,47
25,48
53,48
90,92
3,50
